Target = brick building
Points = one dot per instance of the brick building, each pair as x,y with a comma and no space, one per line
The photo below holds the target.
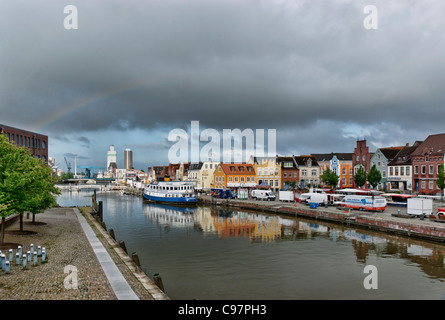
425,161
361,156
289,170
36,143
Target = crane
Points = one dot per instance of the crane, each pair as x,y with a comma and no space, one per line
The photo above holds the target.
68,165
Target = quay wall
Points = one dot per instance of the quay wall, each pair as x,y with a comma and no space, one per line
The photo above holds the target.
415,228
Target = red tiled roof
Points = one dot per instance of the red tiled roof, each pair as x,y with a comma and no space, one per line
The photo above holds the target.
238,168
434,144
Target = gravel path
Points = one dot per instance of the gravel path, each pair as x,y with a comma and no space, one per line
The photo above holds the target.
70,257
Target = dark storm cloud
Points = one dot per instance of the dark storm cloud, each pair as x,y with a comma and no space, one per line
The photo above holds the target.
229,64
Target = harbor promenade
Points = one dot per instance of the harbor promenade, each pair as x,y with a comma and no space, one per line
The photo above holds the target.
82,261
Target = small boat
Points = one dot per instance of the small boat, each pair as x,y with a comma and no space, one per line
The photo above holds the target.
173,192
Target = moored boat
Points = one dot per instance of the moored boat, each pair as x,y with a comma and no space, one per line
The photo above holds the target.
177,192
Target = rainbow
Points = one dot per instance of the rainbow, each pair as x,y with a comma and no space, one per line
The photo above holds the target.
86,103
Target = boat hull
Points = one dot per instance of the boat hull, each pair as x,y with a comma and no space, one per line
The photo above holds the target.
181,200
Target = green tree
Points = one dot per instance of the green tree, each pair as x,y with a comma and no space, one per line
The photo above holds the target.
440,182
44,189
26,183
290,183
330,177
360,177
66,176
374,177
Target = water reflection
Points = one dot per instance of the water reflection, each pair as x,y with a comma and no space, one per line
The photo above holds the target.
234,250
268,228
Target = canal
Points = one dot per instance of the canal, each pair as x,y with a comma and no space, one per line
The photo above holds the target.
214,253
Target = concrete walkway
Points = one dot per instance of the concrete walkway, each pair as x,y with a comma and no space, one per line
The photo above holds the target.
117,281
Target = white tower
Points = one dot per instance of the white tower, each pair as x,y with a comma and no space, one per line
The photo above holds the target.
111,157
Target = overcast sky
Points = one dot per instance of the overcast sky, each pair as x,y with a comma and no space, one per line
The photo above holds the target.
135,70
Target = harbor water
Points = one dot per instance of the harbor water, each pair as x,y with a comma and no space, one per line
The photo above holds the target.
211,253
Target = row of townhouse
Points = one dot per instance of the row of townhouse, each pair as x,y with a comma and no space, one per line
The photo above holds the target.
409,168
271,172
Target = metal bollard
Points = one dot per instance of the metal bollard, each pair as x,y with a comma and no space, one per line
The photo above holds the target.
3,260
10,254
39,251
29,255
31,247
20,250
7,267
35,258
43,255
17,258
24,261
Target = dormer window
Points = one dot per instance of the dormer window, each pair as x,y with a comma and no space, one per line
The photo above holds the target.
427,158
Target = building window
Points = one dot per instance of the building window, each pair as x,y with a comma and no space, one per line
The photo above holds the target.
407,171
230,179
236,179
295,174
304,172
277,183
431,185
431,169
391,171
427,158
396,171
285,175
247,179
383,174
423,184
242,179
423,169
253,179
402,171
416,169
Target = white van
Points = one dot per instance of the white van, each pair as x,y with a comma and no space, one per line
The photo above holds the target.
375,203
262,195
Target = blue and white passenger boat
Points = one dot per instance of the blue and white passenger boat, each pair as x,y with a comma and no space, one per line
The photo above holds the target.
179,192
